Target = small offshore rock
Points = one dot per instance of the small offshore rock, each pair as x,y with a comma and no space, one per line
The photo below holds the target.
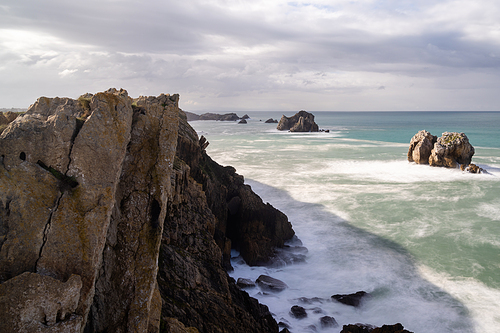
302,121
472,168
298,312
420,147
245,117
365,328
242,121
305,300
451,150
271,284
245,283
271,121
351,299
327,322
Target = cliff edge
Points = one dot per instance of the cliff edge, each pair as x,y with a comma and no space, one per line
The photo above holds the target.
114,218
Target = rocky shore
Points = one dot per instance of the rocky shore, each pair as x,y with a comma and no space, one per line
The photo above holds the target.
114,219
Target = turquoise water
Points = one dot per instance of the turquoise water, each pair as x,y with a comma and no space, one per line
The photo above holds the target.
424,241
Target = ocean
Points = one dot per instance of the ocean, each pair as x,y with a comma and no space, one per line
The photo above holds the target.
423,241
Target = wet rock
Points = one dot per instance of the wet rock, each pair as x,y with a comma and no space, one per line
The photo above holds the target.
298,312
271,121
245,117
245,283
242,121
365,328
420,147
271,284
472,168
328,322
285,330
351,299
305,300
302,121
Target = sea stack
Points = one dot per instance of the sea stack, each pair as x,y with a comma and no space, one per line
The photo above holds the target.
451,150
302,121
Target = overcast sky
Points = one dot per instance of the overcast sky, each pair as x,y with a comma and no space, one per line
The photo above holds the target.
225,55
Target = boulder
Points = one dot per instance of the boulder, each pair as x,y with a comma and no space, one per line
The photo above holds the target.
298,312
242,121
271,121
301,122
420,147
328,322
472,168
245,283
351,299
451,150
271,284
364,328
245,117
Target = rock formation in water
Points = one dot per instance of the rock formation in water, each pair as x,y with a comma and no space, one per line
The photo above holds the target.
114,218
301,122
214,116
450,150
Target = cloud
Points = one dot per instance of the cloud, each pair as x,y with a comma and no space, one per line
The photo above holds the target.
330,55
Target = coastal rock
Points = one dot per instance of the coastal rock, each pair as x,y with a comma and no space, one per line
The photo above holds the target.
271,284
242,121
298,312
220,117
328,322
301,122
364,328
245,117
245,283
451,150
35,303
271,121
115,206
472,168
351,299
420,147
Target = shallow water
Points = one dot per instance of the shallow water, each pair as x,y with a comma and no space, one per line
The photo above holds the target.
423,241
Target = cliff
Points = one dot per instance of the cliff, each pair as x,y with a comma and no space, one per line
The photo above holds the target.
114,218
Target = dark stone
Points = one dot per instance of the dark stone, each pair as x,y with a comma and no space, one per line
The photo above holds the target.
285,330
351,299
298,312
245,117
216,116
242,121
327,322
364,328
271,284
271,121
245,283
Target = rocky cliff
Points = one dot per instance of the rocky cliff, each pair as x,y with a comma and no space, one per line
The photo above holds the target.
114,218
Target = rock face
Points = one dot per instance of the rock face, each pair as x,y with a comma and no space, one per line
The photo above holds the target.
113,218
301,122
421,146
450,150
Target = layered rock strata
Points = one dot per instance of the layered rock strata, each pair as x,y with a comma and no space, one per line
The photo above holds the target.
302,121
113,218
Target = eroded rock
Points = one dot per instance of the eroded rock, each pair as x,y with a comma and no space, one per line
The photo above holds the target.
302,121
451,150
271,284
420,147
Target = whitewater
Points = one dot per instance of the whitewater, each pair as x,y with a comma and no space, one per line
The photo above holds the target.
423,241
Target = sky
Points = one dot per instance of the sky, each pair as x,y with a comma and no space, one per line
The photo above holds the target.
263,55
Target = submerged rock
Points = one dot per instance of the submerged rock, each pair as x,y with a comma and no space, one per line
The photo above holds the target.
351,299
298,312
472,168
302,121
327,322
245,283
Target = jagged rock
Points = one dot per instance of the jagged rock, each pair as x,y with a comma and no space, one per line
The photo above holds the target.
35,303
451,150
327,322
271,284
301,122
242,121
420,147
245,117
191,116
245,283
173,325
351,299
298,312
121,193
271,121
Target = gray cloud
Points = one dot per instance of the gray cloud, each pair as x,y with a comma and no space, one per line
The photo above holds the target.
323,55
